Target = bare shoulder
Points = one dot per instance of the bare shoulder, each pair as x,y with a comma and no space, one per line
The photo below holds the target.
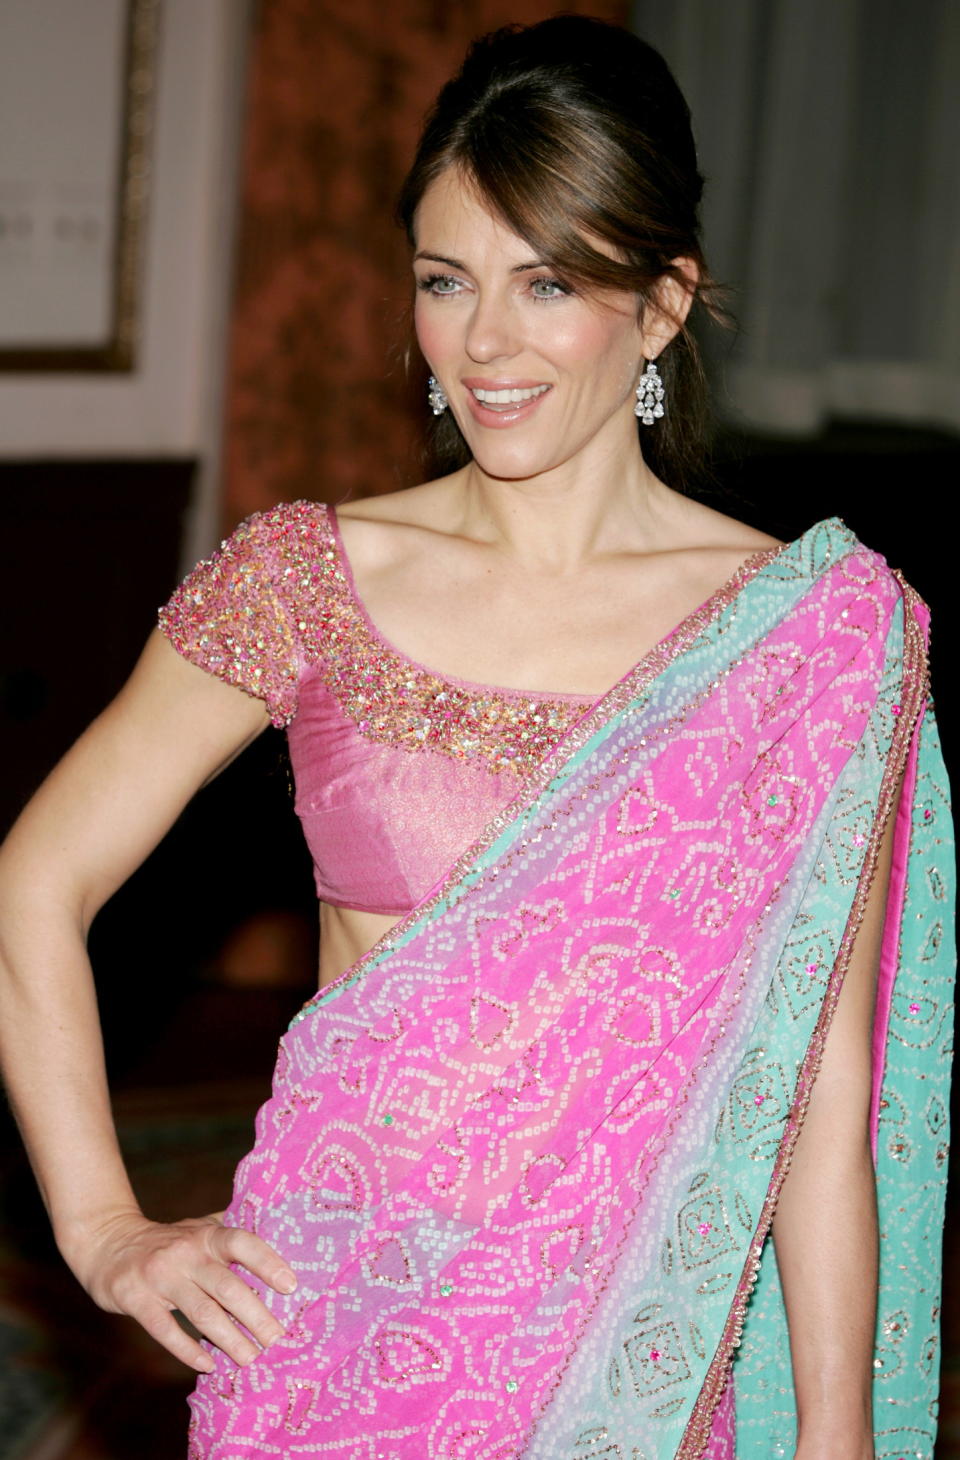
418,505
426,523
376,530
700,549
712,529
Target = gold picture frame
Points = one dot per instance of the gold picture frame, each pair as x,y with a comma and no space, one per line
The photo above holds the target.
129,29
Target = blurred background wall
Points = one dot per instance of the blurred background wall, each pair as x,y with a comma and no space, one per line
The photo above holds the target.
828,134
100,469
273,291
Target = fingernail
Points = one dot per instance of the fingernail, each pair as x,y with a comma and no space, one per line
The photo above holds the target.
204,1366
286,1282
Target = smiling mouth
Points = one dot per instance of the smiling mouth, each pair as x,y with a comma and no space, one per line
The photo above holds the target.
498,399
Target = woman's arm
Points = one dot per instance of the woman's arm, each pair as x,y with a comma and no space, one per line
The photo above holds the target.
106,805
825,1228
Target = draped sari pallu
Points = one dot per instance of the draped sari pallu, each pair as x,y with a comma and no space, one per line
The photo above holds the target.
524,1156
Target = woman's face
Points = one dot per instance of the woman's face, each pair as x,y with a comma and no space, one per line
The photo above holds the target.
535,373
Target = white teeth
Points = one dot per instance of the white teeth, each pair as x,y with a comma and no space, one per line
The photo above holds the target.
508,397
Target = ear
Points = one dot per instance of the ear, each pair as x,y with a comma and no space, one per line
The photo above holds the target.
665,314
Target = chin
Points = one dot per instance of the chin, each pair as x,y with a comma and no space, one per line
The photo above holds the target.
513,463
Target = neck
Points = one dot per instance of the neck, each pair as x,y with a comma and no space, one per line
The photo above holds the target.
554,521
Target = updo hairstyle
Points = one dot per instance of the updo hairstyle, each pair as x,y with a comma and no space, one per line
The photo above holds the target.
573,130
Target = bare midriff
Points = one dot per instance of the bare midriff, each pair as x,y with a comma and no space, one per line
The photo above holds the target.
346,934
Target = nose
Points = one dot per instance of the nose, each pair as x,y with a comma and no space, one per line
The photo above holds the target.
492,332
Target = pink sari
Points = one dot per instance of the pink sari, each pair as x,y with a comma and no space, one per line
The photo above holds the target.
524,1156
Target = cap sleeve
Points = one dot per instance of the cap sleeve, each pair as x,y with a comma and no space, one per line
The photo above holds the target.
228,617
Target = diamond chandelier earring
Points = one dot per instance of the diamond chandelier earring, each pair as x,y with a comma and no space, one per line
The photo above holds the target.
650,395
436,395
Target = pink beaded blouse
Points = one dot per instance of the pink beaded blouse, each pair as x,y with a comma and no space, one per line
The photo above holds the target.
397,769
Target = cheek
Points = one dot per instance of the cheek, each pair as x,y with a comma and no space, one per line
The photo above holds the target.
433,332
610,347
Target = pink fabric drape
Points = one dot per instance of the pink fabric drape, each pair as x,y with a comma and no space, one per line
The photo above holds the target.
480,1139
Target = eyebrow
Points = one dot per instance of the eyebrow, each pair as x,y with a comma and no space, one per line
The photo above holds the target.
439,258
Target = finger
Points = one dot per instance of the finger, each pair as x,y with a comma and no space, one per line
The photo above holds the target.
240,1302
207,1316
160,1323
235,1244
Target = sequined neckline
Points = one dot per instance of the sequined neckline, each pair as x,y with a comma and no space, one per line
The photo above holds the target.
393,700
816,545
471,685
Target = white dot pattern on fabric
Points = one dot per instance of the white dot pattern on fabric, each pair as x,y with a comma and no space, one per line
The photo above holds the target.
523,1156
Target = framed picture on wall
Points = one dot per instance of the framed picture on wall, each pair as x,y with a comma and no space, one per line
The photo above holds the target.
76,90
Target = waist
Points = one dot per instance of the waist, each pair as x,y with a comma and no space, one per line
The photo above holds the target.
346,934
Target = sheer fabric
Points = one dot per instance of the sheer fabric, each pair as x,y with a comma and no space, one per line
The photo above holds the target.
524,1156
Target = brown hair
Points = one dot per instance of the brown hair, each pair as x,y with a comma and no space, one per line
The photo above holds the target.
574,129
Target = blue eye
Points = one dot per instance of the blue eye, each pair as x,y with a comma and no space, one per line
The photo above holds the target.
443,286
439,284
551,289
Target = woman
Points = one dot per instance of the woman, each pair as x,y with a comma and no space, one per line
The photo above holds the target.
597,964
